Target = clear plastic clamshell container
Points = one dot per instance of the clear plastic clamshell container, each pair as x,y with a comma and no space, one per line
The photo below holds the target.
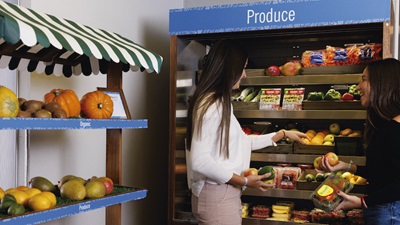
325,197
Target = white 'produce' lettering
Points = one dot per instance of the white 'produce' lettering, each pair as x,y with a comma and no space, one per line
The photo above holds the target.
84,207
270,16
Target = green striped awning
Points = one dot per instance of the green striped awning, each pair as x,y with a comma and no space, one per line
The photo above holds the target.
35,41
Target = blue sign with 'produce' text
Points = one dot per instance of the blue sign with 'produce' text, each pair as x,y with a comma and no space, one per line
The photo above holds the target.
276,14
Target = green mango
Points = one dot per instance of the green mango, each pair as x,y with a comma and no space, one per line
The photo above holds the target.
42,184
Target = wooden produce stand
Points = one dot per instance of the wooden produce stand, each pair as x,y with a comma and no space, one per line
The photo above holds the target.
44,44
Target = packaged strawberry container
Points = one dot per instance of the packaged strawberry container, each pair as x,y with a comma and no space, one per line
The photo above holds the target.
355,217
331,218
325,197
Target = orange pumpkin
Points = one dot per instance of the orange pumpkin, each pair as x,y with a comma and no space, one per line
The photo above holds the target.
97,105
67,100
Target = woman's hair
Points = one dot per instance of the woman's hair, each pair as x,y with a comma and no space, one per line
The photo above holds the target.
222,69
384,99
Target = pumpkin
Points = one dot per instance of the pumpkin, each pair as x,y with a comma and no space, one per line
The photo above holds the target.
96,105
67,100
9,105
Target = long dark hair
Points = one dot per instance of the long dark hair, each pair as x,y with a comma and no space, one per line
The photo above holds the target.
384,99
222,69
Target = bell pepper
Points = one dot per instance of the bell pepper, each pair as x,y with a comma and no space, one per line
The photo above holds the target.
353,90
347,96
315,96
332,94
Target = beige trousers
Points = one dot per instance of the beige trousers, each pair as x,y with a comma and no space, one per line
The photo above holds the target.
218,204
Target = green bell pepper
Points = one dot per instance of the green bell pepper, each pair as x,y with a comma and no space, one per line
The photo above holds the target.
315,96
353,90
332,94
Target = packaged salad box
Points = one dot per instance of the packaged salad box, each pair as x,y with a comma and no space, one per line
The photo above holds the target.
325,197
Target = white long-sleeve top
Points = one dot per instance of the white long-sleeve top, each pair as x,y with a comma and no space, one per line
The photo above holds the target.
206,164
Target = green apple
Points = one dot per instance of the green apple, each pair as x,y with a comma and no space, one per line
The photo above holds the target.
334,128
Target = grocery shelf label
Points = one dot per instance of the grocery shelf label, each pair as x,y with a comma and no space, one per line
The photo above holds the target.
276,14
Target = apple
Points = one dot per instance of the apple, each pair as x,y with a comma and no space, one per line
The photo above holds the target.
317,163
330,138
250,172
332,158
108,183
328,143
334,128
298,66
273,71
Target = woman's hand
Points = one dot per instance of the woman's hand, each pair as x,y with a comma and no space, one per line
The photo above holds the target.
255,181
295,136
341,166
349,202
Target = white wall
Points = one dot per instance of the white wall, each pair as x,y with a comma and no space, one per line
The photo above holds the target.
145,151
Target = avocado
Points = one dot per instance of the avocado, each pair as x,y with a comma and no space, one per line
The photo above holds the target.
319,177
310,177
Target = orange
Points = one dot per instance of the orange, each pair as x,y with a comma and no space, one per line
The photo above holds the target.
39,202
32,192
51,196
21,197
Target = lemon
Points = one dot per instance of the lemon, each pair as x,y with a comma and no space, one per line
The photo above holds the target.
10,190
22,188
21,197
2,193
39,202
32,192
51,196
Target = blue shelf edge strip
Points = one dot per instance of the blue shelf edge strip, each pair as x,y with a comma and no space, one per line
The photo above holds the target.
69,210
69,124
276,14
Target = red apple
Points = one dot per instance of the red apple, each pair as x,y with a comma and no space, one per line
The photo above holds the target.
273,71
317,163
250,171
108,183
332,158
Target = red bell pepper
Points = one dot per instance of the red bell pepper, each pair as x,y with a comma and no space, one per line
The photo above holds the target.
347,96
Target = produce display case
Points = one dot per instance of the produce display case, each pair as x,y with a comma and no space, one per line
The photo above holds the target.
34,41
274,44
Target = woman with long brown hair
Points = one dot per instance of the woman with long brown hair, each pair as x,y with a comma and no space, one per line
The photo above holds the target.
380,94
219,149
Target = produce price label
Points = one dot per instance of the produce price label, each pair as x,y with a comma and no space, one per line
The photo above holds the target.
276,14
270,98
293,98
